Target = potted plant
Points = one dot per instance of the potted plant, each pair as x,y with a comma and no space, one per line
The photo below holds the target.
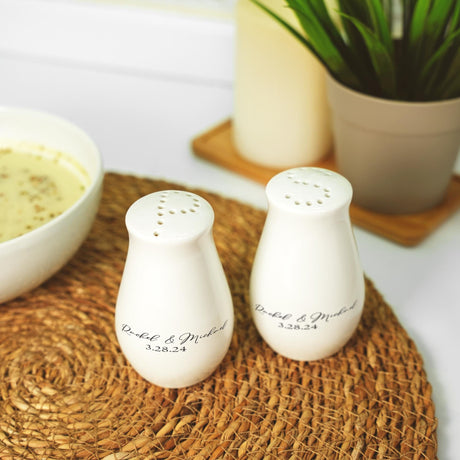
394,89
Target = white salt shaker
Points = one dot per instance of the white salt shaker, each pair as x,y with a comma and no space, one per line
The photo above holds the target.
307,284
174,312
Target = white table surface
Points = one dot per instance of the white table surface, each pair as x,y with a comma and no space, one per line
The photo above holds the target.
143,122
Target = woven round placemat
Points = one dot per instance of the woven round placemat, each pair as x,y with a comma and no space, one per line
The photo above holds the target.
66,390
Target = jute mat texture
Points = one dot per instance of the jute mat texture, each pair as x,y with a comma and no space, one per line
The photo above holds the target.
67,392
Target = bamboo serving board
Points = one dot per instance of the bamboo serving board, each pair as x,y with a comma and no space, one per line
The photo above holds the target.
216,145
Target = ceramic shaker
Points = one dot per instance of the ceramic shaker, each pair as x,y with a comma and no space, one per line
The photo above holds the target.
174,312
307,284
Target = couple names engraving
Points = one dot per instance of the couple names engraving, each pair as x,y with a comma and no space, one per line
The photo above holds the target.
171,343
303,321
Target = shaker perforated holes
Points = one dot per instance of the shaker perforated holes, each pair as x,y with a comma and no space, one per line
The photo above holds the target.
169,216
174,204
305,183
309,189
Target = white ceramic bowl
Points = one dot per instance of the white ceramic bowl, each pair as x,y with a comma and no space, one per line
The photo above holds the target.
30,259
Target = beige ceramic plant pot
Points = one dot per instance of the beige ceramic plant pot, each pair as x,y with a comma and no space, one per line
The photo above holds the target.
398,156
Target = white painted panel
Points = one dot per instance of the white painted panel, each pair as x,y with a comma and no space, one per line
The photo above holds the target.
120,36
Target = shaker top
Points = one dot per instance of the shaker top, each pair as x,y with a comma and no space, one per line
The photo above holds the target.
169,216
309,191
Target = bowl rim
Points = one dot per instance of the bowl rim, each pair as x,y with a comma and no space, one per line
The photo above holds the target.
93,187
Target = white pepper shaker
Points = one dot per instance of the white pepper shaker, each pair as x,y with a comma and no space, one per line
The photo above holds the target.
307,284
174,312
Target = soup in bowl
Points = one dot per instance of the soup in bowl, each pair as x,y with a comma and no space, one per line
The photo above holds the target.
51,177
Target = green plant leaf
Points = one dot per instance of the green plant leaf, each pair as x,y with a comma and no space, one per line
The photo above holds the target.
357,9
388,9
448,85
381,59
289,28
315,21
452,26
313,16
360,60
417,25
435,27
455,18
408,7
410,58
452,41
432,74
380,24
438,17
362,54
449,89
318,42
319,10
322,32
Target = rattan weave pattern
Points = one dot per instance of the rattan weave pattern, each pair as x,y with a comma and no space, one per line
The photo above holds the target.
67,392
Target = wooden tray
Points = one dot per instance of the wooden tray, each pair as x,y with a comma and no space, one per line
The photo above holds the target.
216,145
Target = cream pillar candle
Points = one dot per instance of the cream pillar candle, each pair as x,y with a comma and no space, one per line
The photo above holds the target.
281,116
